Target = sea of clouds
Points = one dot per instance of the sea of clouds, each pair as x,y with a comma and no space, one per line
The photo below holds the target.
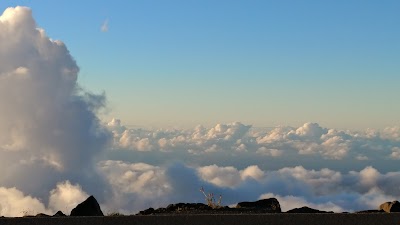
55,152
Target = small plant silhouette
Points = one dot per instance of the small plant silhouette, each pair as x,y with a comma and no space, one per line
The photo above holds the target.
211,200
27,213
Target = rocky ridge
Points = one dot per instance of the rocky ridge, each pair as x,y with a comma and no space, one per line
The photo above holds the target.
90,207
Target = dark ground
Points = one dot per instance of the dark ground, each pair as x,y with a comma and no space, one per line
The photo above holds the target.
258,219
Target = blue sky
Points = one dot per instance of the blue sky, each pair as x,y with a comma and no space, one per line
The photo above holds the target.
265,63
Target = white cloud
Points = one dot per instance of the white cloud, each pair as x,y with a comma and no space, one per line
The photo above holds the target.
138,185
308,140
374,198
395,153
321,182
253,172
229,176
14,203
391,133
311,130
290,202
134,185
369,176
49,130
220,176
269,152
141,178
66,196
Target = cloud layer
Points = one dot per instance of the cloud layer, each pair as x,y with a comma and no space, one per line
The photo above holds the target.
292,164
307,141
141,185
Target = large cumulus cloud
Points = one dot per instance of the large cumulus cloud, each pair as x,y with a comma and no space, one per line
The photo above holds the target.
49,131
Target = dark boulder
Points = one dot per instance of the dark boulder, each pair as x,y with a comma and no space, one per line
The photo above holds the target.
59,214
270,204
390,206
90,207
306,209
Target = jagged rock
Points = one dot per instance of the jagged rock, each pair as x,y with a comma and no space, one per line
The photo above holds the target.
90,207
390,206
306,209
271,205
59,214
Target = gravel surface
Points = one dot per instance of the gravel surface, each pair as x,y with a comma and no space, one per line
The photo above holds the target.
265,219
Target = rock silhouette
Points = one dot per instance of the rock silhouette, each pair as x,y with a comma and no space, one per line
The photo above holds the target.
262,206
306,209
270,204
390,206
89,207
59,214
192,208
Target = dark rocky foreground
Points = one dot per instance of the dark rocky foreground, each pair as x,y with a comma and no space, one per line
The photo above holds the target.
254,219
264,211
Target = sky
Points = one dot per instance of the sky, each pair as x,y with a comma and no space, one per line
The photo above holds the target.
141,103
265,63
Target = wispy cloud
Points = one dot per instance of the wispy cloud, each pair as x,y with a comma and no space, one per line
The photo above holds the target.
104,27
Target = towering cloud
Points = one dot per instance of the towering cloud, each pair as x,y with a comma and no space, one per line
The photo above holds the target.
49,131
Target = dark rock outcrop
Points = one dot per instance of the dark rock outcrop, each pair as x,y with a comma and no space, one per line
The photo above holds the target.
190,208
89,207
306,209
148,211
59,214
270,205
187,207
262,206
371,211
390,206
